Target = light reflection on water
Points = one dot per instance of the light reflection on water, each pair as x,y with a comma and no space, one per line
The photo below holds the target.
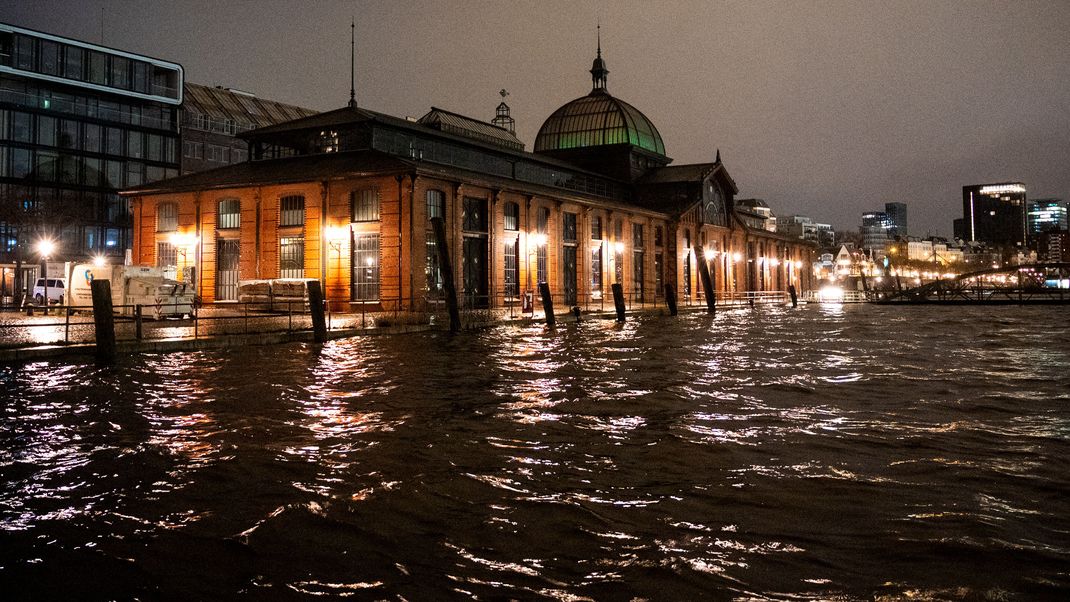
831,452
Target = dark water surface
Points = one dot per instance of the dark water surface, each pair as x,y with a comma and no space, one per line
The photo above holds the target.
848,453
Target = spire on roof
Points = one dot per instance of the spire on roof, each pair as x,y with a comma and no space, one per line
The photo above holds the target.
718,159
352,64
598,69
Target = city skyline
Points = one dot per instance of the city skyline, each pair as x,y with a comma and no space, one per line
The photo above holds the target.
824,110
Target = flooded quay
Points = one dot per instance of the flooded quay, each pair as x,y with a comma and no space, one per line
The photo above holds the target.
844,452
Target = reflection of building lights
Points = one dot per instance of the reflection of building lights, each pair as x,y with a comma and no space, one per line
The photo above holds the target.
737,257
369,261
798,265
774,262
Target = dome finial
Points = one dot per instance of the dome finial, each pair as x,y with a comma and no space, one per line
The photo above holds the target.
598,69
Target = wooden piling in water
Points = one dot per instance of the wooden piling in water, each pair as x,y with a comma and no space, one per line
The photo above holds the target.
442,245
618,300
547,303
670,299
707,283
315,306
103,320
794,295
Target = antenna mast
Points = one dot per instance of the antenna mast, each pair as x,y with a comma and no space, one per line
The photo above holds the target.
352,64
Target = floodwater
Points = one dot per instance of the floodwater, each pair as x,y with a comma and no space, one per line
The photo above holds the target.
844,452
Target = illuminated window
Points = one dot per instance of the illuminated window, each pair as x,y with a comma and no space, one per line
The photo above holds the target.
292,211
292,257
229,215
365,262
166,255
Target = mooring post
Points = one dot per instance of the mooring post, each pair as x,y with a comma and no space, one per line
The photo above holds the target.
707,283
137,322
794,295
315,306
547,303
439,226
103,319
670,299
618,300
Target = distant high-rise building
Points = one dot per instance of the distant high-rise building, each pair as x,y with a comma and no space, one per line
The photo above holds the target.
897,214
995,214
1046,215
876,226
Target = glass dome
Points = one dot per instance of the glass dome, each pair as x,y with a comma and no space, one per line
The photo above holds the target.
598,119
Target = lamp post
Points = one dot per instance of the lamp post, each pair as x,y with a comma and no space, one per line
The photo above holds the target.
335,237
45,248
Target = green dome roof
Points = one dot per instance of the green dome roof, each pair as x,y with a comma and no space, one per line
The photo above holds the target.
598,119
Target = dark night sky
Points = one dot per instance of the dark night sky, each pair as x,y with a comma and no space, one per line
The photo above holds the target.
827,109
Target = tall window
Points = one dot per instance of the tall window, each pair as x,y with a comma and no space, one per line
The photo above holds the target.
166,255
568,227
512,274
436,207
512,216
618,247
637,262
167,217
659,260
596,227
364,205
541,224
687,264
292,211
474,218
365,262
229,216
292,257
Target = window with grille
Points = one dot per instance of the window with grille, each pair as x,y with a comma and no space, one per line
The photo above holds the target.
436,207
292,257
512,273
365,262
292,211
568,230
166,255
229,216
596,272
659,236
596,227
364,205
637,236
512,216
167,217
542,220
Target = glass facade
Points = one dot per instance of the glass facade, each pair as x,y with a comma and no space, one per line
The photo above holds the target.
598,119
78,123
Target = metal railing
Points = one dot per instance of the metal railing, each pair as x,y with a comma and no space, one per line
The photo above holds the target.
72,325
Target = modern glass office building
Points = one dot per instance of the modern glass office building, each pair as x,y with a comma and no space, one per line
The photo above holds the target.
78,121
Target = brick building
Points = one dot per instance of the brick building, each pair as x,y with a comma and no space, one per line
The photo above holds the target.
346,197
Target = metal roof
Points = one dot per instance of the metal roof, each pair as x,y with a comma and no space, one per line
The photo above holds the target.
598,119
244,110
447,121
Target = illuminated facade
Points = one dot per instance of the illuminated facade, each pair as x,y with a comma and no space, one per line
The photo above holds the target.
1046,215
994,214
347,196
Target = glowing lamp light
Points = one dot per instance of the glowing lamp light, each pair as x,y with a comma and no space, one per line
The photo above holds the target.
798,265
184,239
709,254
99,261
830,294
618,247
337,234
539,239
737,257
774,262
45,247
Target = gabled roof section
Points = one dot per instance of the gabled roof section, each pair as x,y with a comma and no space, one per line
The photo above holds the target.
694,172
306,168
447,121
320,120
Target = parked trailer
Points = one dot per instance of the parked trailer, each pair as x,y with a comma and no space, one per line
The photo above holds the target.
159,296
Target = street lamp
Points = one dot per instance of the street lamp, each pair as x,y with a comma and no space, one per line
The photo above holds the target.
45,248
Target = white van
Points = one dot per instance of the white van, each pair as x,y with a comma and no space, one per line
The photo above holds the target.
56,290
